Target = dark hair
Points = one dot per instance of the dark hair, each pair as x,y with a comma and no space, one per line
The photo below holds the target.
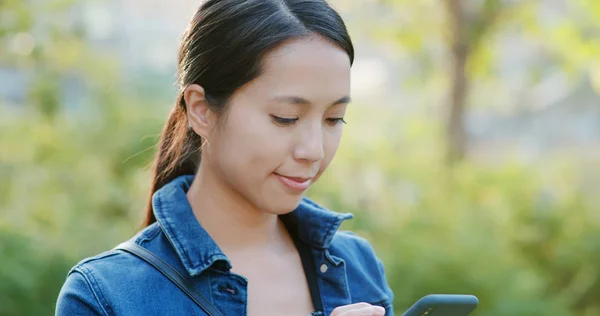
221,50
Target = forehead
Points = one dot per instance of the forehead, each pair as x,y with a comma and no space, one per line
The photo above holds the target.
312,68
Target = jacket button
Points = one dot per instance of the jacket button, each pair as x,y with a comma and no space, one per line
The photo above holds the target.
323,268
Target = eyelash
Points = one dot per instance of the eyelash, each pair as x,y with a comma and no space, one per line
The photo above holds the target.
284,121
339,120
289,121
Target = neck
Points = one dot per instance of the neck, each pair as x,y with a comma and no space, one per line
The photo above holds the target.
234,223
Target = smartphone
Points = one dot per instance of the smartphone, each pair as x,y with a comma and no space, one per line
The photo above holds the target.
443,305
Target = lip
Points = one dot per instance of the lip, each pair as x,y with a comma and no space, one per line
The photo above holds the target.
294,183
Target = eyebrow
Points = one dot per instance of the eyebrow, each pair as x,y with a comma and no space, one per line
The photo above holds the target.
299,100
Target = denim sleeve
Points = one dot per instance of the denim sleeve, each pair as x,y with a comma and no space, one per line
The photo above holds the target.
378,271
389,309
77,296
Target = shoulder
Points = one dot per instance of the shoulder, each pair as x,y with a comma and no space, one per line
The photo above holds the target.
357,252
365,271
85,290
92,283
350,241
115,262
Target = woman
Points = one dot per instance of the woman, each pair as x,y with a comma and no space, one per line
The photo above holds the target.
264,86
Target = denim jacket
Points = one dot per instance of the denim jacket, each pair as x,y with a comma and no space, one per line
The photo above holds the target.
118,283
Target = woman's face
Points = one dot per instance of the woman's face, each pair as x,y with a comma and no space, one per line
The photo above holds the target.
283,128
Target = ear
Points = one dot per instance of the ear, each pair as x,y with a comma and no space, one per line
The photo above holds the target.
199,115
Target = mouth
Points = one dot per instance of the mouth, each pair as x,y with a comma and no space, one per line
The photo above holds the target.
295,183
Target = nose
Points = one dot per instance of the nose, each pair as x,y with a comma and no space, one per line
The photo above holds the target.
310,146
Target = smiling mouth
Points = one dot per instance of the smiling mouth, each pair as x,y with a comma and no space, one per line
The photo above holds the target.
294,183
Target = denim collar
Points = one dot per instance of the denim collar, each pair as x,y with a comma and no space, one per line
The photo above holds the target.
198,251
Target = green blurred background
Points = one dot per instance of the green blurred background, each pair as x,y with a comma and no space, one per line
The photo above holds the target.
471,158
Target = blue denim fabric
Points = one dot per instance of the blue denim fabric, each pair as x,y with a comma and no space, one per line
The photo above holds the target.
117,283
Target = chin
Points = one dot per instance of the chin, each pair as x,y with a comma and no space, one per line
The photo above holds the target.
282,205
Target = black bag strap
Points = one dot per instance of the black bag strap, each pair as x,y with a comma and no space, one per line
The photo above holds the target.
167,270
309,271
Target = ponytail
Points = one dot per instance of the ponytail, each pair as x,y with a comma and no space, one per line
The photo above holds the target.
178,154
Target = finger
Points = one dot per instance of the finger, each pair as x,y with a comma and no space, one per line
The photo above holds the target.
340,310
366,311
378,311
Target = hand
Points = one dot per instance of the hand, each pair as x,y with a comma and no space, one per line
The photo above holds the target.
358,309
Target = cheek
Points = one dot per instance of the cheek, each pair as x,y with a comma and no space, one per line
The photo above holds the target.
250,144
331,142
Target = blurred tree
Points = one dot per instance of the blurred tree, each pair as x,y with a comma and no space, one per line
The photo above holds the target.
462,28
468,26
452,46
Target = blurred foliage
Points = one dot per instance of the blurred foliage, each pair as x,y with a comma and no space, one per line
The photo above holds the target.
525,240
565,36
73,181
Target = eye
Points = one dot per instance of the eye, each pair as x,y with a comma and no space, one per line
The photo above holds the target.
283,120
335,121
